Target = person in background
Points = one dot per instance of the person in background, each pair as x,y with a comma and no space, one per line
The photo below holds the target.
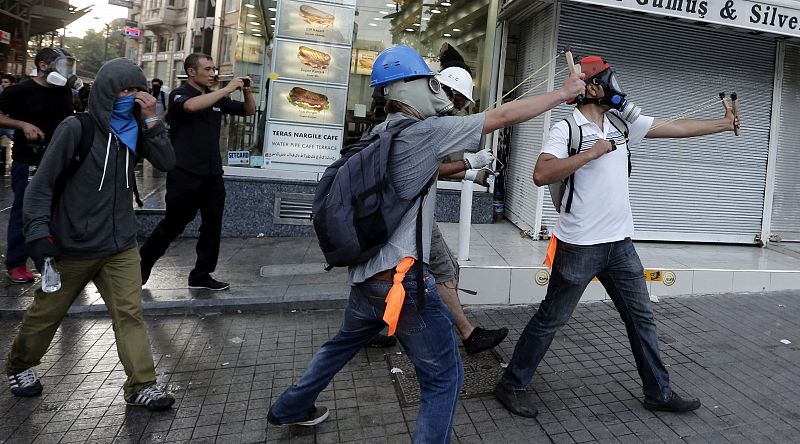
157,90
33,108
6,80
196,184
450,57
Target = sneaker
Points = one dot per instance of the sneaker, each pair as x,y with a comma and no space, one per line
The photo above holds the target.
674,404
152,398
314,416
20,275
26,383
382,341
518,402
208,282
482,339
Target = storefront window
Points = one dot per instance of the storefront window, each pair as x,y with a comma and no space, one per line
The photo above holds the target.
429,26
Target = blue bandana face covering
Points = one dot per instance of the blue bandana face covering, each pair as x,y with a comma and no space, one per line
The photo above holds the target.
123,124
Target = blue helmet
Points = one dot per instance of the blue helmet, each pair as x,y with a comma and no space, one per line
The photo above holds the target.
398,63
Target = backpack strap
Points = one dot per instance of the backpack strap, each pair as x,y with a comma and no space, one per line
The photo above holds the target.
574,147
393,128
622,126
81,152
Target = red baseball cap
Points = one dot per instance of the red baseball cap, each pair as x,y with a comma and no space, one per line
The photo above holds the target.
591,66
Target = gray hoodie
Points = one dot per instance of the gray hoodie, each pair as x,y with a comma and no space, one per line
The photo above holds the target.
94,217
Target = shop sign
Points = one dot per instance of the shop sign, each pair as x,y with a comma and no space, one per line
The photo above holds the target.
748,14
147,57
133,32
312,61
177,56
239,158
301,147
307,103
124,3
307,106
162,56
5,37
315,21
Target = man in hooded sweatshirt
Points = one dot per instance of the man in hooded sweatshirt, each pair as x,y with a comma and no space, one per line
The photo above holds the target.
88,227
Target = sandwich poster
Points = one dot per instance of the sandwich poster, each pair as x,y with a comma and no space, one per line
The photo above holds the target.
301,147
312,61
319,22
364,61
307,103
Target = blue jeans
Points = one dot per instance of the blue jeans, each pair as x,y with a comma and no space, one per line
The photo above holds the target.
428,340
17,254
619,269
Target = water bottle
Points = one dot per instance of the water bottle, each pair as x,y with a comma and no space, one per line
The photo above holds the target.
51,279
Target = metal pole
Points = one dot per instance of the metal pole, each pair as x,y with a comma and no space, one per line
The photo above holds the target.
465,219
105,47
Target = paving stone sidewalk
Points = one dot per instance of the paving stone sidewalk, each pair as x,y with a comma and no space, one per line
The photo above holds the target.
225,369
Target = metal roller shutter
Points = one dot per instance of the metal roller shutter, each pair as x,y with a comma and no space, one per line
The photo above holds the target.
536,47
786,198
706,189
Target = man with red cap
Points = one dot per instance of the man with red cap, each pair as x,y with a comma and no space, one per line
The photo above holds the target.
594,233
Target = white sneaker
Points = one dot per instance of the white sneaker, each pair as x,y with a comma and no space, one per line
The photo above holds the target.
25,383
152,398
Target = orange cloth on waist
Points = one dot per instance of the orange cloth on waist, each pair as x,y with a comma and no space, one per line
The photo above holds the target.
397,294
551,252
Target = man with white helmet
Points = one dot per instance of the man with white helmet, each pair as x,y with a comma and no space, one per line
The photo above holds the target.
426,332
457,84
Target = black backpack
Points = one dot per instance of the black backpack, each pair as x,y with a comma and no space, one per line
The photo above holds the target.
356,207
80,154
575,138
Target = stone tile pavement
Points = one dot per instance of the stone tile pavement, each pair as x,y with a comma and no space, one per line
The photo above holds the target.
225,369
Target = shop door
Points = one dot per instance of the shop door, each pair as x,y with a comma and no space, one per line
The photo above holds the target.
703,189
536,47
786,198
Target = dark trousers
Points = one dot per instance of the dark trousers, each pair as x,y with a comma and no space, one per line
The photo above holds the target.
186,194
619,269
17,254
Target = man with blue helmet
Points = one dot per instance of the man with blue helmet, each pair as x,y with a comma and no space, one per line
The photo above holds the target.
412,92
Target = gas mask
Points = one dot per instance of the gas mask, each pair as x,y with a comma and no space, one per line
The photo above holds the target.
61,72
613,96
424,94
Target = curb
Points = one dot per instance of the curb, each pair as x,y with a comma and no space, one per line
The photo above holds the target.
205,306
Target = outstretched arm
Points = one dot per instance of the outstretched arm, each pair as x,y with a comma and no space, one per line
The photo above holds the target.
662,128
523,110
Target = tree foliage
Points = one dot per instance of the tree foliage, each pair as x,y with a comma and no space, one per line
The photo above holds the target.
90,49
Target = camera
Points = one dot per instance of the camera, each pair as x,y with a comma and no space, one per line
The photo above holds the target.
246,82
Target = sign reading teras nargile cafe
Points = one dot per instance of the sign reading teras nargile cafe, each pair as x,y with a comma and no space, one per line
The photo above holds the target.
779,17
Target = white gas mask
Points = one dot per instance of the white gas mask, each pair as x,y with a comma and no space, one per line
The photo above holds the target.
424,94
61,72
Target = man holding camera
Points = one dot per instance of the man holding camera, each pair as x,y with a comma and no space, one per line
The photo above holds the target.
33,108
195,113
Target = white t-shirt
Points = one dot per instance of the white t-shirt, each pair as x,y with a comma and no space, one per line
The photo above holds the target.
601,209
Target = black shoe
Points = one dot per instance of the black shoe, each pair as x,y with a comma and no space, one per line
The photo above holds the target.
208,282
314,416
482,339
518,402
674,404
382,341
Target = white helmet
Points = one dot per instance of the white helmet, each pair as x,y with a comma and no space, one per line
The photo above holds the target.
457,79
